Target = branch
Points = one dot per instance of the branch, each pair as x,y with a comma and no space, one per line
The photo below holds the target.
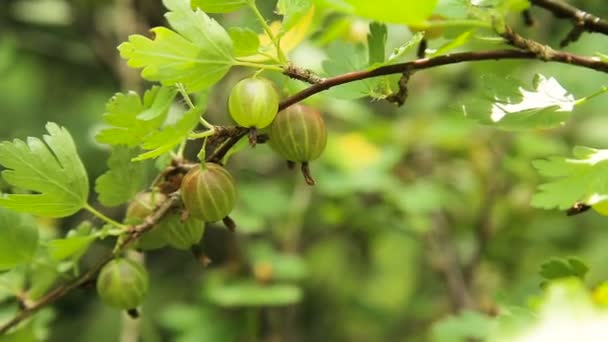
61,290
233,134
427,63
590,22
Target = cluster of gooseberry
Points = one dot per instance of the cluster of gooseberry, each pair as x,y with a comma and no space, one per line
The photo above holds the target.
208,191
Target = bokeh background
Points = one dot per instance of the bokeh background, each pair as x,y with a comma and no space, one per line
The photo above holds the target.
418,213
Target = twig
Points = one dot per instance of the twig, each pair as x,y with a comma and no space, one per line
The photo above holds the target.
305,75
588,22
63,289
542,52
236,133
454,58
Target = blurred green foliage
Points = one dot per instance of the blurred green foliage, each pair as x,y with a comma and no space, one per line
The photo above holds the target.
363,255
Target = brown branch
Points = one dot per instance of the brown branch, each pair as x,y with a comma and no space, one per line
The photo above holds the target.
587,21
454,58
236,133
63,289
301,74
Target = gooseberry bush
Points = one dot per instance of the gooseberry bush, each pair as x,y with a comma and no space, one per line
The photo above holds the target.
271,102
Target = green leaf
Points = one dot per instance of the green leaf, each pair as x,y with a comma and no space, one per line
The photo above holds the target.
376,43
197,54
246,42
75,246
292,11
391,11
132,119
344,58
468,325
248,293
18,238
508,105
581,179
166,139
563,268
58,177
123,180
219,6
397,53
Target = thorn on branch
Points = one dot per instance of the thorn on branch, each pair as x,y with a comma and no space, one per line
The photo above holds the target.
575,33
401,95
302,74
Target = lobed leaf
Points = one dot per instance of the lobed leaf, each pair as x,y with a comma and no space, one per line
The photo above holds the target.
219,6
132,118
163,141
245,41
292,11
581,179
390,11
53,171
123,180
197,54
508,105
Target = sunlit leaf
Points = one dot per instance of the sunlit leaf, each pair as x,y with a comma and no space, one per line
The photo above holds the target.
392,11
169,137
509,105
132,118
52,170
583,179
292,11
245,41
219,6
197,54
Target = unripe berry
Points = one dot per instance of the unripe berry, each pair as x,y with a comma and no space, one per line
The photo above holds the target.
122,283
183,234
253,102
298,134
138,210
208,192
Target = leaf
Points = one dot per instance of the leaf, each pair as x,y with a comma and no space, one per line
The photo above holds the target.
75,246
18,239
132,119
376,43
563,268
197,54
159,105
581,179
510,106
166,139
219,6
123,180
245,41
247,293
292,11
397,53
391,11
467,325
344,58
58,177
